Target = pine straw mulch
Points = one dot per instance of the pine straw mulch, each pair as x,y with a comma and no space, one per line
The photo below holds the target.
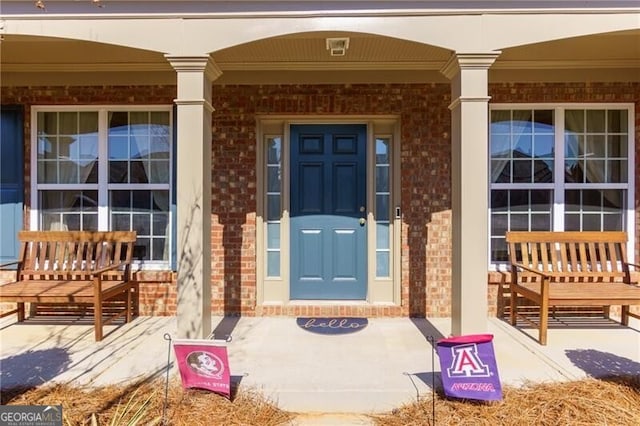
590,402
192,407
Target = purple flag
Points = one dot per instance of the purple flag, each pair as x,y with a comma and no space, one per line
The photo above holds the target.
203,364
468,367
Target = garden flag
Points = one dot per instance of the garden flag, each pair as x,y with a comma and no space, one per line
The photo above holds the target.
468,367
203,364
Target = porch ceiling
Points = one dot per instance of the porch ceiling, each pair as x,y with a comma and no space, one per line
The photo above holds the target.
302,58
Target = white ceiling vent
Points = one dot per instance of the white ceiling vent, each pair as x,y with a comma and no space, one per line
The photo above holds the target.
338,46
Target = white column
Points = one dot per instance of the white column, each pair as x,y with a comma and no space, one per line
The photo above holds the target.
194,77
469,191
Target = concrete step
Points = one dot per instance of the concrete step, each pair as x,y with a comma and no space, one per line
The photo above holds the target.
334,419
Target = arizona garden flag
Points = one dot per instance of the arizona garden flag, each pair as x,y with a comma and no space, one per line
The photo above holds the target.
203,364
468,367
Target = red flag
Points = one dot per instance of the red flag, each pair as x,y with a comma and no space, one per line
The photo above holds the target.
203,364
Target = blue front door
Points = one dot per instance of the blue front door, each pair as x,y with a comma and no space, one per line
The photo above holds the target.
11,181
328,212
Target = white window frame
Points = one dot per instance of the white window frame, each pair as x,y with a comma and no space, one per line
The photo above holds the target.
265,193
558,186
103,186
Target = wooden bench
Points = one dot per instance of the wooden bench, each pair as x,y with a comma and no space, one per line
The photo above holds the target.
553,269
75,268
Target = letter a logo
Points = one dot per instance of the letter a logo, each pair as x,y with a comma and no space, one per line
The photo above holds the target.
466,362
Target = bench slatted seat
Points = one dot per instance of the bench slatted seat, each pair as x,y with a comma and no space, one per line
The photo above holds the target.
570,269
74,268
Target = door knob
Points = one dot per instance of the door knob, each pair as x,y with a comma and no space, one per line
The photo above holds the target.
362,221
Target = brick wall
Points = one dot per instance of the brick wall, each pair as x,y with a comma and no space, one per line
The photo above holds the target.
425,195
158,295
568,93
425,186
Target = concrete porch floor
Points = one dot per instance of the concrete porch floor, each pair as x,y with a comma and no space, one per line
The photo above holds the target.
387,364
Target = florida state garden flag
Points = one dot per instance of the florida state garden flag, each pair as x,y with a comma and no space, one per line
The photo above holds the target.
203,364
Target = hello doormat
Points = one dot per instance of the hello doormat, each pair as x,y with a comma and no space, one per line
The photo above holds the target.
332,325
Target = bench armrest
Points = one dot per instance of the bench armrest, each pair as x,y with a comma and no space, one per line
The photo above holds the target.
637,270
544,283
101,271
516,266
635,265
3,265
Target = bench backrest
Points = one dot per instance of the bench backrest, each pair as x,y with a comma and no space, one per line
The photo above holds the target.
74,254
571,256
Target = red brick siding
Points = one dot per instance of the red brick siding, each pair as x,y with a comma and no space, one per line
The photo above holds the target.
425,185
425,167
570,93
156,298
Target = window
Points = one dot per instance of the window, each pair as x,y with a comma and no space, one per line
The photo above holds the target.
273,148
560,168
105,169
274,210
383,204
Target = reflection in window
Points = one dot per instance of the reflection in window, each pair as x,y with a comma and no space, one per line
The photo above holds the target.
596,146
139,147
68,210
593,147
594,209
147,213
518,210
131,182
273,200
67,147
382,209
522,146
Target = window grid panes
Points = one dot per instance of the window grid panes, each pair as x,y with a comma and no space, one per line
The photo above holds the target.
139,147
518,210
67,151
527,148
132,181
522,146
594,210
71,210
595,146
147,213
382,209
273,201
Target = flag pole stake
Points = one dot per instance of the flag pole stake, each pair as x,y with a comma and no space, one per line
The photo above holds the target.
167,337
433,379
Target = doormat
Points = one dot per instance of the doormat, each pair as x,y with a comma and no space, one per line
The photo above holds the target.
332,325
